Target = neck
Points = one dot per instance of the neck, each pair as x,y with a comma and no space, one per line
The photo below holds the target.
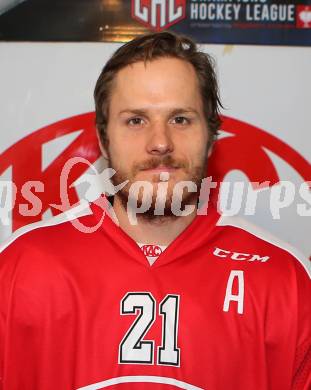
161,230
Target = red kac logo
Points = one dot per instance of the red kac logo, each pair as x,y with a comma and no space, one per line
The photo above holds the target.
151,250
25,157
158,14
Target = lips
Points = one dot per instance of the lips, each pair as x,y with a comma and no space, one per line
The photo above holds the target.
160,169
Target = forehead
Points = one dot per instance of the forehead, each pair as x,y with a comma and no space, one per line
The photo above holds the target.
164,81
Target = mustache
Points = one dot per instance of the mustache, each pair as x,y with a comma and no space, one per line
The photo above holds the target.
155,162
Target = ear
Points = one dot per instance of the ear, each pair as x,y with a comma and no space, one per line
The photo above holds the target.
101,146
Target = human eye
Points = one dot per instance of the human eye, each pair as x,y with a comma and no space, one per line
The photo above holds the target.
136,121
181,120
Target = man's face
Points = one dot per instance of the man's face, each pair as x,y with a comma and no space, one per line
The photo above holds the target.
156,124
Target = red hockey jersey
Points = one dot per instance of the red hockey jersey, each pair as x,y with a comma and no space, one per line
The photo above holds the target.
222,308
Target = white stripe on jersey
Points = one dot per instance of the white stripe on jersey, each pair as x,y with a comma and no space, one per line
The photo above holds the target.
265,236
79,211
140,379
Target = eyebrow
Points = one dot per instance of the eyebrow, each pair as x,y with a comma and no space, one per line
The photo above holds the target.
133,111
175,111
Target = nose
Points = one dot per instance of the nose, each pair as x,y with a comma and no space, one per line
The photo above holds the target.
160,140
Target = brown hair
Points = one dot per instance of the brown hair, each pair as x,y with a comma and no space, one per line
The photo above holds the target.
150,47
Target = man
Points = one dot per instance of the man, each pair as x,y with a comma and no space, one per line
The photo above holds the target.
179,297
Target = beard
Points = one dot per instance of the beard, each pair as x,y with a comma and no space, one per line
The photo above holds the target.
162,205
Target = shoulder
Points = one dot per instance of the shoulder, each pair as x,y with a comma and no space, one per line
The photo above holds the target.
261,246
33,260
44,235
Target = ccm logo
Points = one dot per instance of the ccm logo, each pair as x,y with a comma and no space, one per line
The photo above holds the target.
239,256
151,250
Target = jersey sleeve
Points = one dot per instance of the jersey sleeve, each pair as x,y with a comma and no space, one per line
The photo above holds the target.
8,260
302,364
2,330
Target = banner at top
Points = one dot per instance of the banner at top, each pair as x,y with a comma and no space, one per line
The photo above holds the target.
262,22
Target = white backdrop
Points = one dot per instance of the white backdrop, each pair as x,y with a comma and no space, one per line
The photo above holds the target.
268,87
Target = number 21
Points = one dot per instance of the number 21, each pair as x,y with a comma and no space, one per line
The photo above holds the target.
133,348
